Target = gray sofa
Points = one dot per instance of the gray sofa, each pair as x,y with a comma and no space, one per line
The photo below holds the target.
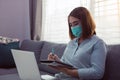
42,49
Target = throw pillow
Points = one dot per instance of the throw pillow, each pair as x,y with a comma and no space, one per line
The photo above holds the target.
6,58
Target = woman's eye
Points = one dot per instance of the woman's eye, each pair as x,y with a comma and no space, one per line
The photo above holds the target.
75,24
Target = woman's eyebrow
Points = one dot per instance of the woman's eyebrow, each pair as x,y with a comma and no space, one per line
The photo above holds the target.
74,22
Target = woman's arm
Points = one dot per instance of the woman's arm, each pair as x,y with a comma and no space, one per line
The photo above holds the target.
98,58
71,72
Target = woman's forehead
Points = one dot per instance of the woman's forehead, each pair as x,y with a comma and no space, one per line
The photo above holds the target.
73,19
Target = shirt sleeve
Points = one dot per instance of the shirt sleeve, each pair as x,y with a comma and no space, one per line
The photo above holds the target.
98,58
62,58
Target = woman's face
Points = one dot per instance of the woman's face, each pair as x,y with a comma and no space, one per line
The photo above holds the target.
73,21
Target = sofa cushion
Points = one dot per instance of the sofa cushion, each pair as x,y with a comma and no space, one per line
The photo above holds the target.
6,58
59,49
112,70
30,45
47,48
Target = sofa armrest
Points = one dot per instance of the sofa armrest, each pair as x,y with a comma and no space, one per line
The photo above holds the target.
112,68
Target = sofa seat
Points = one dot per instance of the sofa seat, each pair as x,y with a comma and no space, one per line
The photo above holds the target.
4,71
43,48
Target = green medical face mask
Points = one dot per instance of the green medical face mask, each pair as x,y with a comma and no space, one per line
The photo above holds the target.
76,31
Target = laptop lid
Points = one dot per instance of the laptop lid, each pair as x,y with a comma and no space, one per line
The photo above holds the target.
26,65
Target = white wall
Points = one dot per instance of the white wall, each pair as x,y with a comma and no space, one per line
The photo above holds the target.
14,19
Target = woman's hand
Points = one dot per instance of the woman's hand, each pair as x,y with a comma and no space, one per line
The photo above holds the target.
61,69
71,72
53,57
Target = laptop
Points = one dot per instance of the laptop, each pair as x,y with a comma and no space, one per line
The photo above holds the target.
27,66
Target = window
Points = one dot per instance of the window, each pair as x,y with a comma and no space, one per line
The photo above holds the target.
55,13
107,17
105,12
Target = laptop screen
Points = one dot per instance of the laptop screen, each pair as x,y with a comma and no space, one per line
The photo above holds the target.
26,65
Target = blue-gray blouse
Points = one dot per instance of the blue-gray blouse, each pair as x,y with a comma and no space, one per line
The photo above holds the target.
88,57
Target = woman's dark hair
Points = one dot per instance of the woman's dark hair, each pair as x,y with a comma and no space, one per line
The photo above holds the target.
87,22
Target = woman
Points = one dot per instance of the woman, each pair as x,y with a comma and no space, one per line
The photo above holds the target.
86,52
